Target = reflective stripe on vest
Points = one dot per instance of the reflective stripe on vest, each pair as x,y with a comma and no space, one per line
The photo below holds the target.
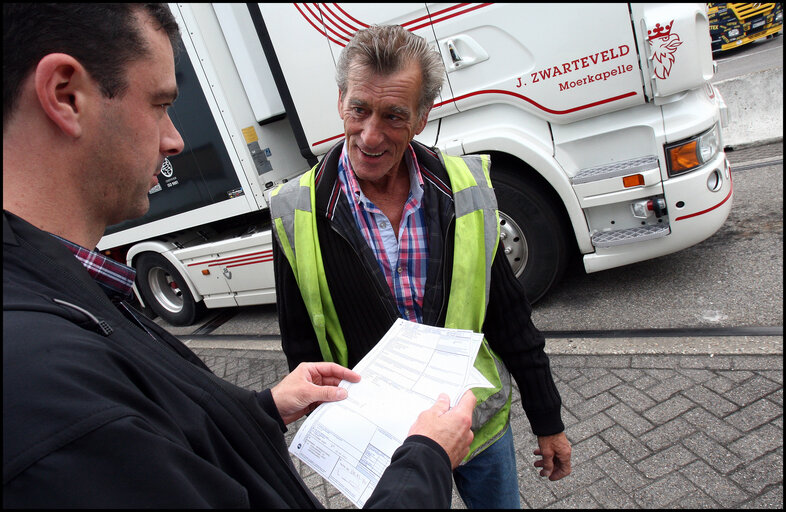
476,233
291,207
476,241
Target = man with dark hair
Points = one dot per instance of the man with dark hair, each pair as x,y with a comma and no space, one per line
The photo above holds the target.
104,38
385,227
102,407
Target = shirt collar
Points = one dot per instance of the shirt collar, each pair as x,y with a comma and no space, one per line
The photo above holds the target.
115,279
348,178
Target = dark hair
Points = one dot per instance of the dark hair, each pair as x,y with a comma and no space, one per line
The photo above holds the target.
385,49
104,38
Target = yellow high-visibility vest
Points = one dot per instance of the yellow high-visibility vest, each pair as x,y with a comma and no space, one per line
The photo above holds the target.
292,208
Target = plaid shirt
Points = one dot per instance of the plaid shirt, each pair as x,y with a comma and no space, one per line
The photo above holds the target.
407,253
114,278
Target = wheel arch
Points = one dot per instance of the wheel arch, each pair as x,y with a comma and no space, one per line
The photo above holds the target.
545,171
164,249
570,217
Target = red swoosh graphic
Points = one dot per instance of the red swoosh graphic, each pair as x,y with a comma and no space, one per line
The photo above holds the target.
339,27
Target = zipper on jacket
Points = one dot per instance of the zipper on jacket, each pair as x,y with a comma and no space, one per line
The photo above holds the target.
102,326
128,313
445,283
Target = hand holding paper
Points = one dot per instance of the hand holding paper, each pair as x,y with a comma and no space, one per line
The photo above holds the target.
448,427
309,385
410,378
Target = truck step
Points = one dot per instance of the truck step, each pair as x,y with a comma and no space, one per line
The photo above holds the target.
613,170
629,236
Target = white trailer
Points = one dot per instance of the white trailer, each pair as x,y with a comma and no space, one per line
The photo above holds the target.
603,128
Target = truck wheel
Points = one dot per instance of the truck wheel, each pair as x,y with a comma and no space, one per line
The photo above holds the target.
531,231
165,292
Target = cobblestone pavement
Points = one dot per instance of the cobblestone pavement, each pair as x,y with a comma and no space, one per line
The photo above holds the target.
648,431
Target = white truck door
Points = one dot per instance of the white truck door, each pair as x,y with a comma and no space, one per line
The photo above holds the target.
561,62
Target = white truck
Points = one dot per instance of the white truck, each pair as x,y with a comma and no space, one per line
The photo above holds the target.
603,129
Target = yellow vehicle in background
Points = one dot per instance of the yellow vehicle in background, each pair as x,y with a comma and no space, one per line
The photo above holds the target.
733,25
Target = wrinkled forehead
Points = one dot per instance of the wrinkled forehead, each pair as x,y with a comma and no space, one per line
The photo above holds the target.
409,74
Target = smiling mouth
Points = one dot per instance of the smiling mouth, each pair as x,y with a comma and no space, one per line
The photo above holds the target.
372,155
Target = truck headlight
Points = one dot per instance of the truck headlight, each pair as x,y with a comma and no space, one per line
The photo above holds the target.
688,154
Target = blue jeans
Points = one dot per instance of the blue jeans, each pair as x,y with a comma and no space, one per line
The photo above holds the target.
490,480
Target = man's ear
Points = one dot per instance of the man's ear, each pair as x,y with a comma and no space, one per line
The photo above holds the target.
422,122
340,110
62,86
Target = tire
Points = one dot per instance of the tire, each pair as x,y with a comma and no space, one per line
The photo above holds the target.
534,237
165,292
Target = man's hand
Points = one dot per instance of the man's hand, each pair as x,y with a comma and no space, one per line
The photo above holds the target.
448,427
555,453
309,385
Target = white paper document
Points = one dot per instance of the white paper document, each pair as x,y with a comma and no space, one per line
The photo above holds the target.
350,442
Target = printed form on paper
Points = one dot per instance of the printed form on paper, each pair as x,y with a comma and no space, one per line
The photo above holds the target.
351,442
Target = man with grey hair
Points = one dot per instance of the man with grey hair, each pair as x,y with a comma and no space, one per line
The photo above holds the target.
385,227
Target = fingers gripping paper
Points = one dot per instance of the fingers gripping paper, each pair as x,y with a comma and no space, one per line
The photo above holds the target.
351,442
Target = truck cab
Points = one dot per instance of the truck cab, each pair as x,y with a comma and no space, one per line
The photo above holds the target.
605,136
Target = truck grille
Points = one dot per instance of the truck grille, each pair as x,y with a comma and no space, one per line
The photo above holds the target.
745,11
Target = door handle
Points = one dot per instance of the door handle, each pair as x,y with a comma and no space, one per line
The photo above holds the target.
464,51
453,52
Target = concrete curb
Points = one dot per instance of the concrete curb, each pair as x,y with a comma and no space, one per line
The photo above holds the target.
716,345
270,345
709,345
755,106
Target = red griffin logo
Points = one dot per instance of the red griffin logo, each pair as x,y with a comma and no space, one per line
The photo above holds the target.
663,44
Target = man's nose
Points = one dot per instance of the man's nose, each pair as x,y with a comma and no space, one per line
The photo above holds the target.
171,141
372,134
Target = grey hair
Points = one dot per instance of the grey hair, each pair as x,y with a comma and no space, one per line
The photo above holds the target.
385,49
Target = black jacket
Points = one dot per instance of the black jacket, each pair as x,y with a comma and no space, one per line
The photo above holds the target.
366,308
97,412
